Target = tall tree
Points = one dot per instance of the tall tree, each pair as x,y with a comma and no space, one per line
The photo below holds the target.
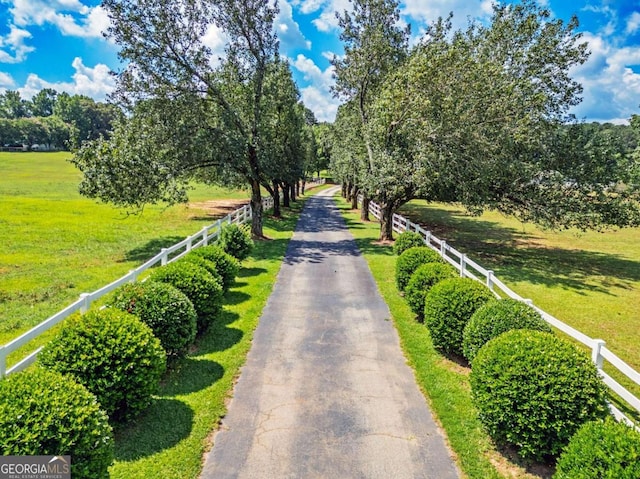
169,66
13,106
43,102
477,116
375,44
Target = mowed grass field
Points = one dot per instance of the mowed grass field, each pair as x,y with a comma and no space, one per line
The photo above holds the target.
55,244
589,280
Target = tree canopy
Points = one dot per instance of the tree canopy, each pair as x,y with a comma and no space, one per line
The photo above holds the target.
480,117
230,120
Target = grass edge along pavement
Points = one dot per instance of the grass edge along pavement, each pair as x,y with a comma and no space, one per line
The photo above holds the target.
444,384
170,439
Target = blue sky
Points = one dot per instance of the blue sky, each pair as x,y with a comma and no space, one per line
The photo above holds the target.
58,44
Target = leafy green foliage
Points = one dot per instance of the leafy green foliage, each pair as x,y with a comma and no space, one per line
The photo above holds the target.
602,449
422,280
534,390
226,265
448,306
168,312
407,240
495,318
204,291
46,413
204,263
410,260
236,240
114,355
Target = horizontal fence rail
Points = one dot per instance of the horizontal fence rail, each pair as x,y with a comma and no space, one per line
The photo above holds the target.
470,269
208,234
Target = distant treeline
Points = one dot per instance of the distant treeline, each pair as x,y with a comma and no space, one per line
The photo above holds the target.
52,120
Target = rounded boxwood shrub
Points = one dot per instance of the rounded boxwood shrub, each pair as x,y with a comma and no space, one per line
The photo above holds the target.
406,240
534,390
236,240
46,413
448,306
410,260
606,449
203,289
114,355
422,280
495,318
226,265
168,312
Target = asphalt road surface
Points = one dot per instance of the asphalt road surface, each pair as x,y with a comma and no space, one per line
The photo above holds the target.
326,391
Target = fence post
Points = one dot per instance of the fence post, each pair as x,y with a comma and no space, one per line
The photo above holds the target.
490,280
3,362
134,276
165,256
189,243
86,302
463,265
595,353
205,236
427,238
443,249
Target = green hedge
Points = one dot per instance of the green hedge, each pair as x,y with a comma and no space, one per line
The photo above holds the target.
226,265
236,240
406,240
410,260
534,390
46,413
601,449
165,309
448,306
422,280
114,355
495,318
203,289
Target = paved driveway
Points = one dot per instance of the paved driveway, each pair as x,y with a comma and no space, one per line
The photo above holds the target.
326,392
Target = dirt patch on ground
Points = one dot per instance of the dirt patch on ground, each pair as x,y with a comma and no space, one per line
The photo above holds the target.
214,208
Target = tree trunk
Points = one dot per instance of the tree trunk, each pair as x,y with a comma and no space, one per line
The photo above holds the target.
364,211
304,185
344,190
256,207
293,192
297,188
276,200
285,196
386,222
354,198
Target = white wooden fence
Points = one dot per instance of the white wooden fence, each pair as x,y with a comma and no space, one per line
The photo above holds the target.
470,269
206,235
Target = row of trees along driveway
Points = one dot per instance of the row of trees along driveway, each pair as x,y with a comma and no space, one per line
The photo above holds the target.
235,120
476,116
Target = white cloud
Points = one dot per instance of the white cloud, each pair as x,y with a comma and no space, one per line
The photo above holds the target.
71,17
6,81
308,6
288,30
320,102
633,23
463,10
96,82
317,96
216,40
611,87
12,47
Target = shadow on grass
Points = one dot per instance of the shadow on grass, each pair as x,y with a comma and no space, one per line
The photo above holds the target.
151,248
519,256
162,426
219,337
190,374
247,273
235,297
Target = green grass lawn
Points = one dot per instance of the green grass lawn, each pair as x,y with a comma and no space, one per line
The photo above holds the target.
55,244
589,280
